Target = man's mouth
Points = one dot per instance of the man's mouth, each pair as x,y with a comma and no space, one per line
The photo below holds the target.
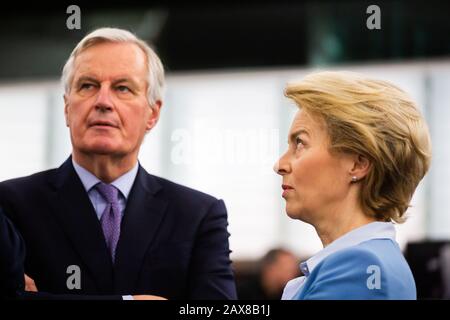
103,123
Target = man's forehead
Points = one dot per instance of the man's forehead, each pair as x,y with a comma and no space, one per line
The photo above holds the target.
94,67
93,76
112,56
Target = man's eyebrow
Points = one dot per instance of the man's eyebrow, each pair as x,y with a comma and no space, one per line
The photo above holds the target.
86,78
294,134
129,80
115,82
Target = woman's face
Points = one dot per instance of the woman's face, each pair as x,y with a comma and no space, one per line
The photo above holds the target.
315,182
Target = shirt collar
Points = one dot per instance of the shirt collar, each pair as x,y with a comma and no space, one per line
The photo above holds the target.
122,183
373,230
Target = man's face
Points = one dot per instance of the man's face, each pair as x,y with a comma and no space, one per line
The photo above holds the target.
107,109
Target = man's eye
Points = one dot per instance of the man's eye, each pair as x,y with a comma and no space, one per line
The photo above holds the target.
86,86
123,89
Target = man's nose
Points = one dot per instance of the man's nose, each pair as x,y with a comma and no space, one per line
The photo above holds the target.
104,101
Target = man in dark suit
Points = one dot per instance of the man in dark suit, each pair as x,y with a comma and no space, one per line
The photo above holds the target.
100,224
12,255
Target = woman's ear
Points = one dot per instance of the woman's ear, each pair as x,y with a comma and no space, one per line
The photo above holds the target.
361,167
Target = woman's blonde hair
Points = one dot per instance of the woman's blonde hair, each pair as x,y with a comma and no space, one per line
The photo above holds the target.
377,120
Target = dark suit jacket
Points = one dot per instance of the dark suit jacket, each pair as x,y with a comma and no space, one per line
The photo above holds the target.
12,255
12,258
173,241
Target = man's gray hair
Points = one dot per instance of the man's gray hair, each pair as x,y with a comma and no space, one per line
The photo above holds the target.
155,69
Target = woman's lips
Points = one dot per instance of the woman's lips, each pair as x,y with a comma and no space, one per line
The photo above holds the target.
286,188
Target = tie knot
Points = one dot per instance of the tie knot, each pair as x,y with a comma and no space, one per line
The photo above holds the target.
108,192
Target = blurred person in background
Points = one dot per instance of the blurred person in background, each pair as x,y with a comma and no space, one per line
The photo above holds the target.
357,149
276,268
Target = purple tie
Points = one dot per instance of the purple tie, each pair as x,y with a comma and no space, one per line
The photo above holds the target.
111,216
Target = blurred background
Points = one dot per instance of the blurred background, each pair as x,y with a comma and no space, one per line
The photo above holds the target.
225,120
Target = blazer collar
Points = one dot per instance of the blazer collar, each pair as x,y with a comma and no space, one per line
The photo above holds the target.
76,215
145,209
144,213
374,230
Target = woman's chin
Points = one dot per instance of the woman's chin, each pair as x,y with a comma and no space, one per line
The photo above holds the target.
297,213
291,212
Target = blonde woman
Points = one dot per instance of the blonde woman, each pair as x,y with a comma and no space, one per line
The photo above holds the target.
357,150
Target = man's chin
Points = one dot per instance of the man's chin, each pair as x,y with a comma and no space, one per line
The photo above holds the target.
101,149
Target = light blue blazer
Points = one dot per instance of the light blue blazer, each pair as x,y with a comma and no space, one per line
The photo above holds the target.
373,269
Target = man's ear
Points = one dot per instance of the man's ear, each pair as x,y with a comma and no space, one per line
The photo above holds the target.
154,116
66,111
361,167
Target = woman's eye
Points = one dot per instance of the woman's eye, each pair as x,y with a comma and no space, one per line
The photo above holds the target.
299,142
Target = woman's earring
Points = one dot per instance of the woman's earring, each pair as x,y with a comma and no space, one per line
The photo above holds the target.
354,179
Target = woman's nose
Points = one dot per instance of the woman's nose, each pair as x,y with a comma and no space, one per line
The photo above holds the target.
282,166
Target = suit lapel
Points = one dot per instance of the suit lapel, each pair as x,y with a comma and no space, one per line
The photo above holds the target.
77,217
143,215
